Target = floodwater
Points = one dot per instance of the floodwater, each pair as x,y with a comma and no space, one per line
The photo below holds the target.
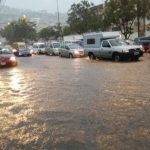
52,103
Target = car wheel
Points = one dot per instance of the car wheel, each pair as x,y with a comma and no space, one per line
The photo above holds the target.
60,55
116,57
70,56
136,59
92,56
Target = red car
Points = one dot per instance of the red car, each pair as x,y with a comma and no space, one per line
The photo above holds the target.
7,57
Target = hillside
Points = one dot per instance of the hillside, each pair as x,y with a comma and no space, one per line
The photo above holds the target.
41,18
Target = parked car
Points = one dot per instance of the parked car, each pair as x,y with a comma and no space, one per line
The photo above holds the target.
33,50
21,49
97,45
7,57
71,50
40,47
131,42
144,41
52,49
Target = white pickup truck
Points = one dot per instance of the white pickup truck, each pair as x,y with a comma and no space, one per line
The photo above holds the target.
97,46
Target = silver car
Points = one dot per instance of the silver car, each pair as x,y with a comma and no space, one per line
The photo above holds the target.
71,50
53,49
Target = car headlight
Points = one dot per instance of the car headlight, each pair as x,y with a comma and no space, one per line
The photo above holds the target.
142,48
31,51
76,52
125,50
12,58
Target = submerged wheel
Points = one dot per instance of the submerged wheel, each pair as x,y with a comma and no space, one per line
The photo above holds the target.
70,56
92,56
60,55
116,57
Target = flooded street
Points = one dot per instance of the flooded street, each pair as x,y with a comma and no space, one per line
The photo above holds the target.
52,103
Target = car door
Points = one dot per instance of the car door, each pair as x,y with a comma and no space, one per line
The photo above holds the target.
66,51
61,50
106,49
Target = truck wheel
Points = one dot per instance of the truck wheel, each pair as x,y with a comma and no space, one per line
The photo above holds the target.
70,56
116,57
92,56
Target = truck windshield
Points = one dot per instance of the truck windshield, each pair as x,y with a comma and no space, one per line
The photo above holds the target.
117,42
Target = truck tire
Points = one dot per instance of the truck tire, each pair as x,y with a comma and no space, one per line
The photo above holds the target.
92,56
116,57
70,56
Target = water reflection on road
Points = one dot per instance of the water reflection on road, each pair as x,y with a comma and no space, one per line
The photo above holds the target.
63,104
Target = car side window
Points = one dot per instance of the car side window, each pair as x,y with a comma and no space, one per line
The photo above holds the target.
62,46
34,46
106,44
66,47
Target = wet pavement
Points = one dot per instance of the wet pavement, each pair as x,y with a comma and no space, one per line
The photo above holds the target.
52,103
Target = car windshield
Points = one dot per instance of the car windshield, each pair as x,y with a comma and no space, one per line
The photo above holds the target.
117,42
56,45
42,46
22,47
5,51
74,46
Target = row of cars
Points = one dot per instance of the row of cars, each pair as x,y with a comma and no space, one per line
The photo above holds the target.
107,45
95,45
63,49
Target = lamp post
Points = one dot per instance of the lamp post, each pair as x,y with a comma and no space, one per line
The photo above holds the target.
59,24
58,12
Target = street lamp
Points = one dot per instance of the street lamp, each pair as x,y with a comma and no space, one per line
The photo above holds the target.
59,26
58,12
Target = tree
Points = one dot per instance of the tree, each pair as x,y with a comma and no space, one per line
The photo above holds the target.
141,9
120,13
48,33
67,30
81,18
20,30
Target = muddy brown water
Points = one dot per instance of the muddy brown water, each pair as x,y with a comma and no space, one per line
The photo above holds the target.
52,103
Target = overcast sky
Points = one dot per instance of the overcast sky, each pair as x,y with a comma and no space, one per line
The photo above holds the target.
49,5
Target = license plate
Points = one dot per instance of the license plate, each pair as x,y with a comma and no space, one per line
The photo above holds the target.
3,63
136,53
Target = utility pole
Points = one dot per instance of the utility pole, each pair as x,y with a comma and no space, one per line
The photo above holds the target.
59,24
58,12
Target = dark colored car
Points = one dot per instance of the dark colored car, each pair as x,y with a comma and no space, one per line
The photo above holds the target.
144,41
21,49
7,57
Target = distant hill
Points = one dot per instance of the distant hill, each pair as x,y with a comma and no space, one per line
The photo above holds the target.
41,18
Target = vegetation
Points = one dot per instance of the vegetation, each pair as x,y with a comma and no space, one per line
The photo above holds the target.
50,33
121,14
81,18
118,13
21,30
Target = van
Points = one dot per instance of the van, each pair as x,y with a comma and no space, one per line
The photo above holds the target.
39,47
52,48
